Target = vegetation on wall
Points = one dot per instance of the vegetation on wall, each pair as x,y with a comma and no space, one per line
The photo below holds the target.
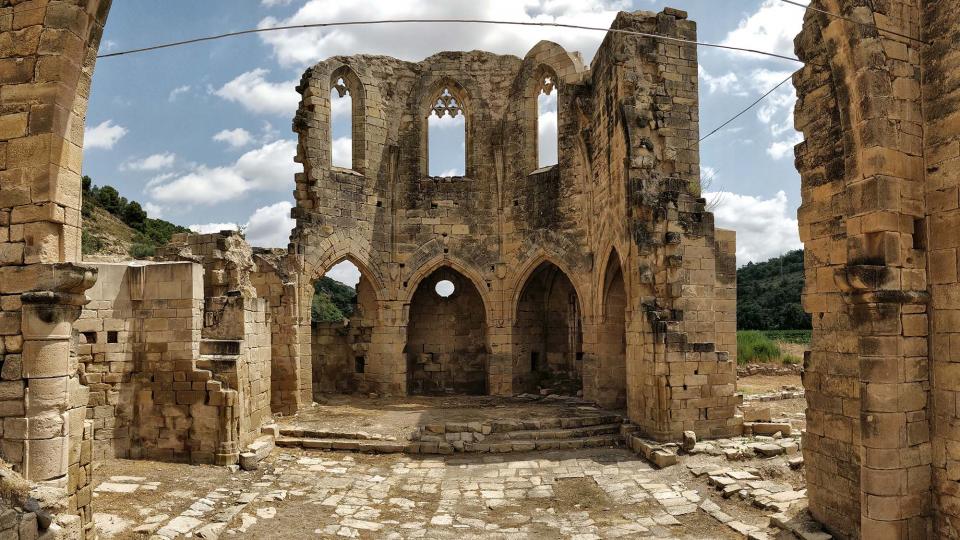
332,301
147,233
768,294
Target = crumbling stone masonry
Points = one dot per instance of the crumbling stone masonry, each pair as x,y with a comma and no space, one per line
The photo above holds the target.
880,167
603,272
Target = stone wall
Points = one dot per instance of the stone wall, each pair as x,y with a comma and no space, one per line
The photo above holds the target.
879,168
273,281
446,338
625,189
161,383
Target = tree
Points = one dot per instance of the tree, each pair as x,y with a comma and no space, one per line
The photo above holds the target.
109,199
134,215
86,182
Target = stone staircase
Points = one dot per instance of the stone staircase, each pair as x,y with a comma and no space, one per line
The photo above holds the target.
350,441
495,436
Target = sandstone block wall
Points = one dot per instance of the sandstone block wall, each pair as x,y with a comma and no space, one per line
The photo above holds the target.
47,54
625,190
879,167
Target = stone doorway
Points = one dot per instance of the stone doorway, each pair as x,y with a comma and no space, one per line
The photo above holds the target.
612,338
343,314
548,334
446,346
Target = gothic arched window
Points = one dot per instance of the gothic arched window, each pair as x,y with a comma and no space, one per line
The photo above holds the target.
446,135
341,124
547,119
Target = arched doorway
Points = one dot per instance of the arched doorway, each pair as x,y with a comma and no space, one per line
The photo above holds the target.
446,346
343,314
612,338
548,334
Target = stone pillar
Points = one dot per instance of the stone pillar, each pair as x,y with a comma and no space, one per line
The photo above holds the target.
867,449
49,372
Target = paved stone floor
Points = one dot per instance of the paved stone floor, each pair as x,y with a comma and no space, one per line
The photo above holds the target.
600,493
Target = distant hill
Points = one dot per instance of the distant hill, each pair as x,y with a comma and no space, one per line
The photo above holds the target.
332,301
768,294
115,228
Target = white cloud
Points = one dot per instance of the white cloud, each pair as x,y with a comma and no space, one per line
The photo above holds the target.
176,92
345,272
108,45
784,148
450,172
273,3
256,94
210,228
771,29
153,162
547,129
236,138
270,226
103,135
728,83
764,228
268,168
416,41
153,210
343,152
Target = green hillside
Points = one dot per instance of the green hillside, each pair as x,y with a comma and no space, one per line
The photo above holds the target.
114,226
768,294
332,301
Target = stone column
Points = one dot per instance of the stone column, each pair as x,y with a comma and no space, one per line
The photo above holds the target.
49,374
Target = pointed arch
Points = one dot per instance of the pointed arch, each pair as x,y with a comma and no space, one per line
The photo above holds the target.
602,275
547,330
447,345
344,80
445,98
531,266
319,266
413,281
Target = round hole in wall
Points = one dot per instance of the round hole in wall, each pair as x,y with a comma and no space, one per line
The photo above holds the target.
444,288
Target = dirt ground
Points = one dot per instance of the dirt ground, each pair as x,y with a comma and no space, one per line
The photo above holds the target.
763,384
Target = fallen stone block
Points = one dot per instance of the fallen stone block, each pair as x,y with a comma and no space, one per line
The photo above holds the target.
770,428
689,441
769,450
662,458
756,413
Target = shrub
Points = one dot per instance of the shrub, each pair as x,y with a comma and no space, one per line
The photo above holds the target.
89,243
142,251
753,346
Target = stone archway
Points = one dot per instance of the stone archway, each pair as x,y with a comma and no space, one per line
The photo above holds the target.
611,347
446,350
548,333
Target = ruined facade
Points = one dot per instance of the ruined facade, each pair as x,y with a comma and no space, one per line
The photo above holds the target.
880,166
603,273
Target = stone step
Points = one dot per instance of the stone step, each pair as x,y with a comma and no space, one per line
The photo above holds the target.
503,426
388,447
518,445
548,434
347,445
325,434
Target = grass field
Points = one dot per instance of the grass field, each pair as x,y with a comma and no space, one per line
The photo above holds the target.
756,346
800,337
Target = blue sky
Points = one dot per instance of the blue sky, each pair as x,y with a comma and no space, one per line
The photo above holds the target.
201,134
